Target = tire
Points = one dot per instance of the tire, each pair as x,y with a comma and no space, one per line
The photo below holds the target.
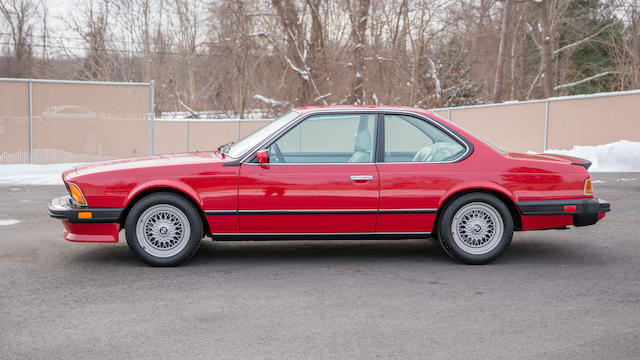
475,228
163,229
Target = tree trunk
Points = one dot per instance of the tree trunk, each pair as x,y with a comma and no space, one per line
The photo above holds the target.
506,19
547,50
359,18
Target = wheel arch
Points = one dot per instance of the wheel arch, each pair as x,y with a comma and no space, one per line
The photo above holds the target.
167,189
500,194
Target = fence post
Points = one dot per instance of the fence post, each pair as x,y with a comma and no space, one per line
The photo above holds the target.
449,114
238,121
546,123
30,121
186,134
152,117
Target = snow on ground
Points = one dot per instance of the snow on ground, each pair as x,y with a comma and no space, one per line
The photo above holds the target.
8,222
28,174
619,156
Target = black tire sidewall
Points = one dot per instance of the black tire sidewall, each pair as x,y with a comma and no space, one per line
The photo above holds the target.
446,238
181,203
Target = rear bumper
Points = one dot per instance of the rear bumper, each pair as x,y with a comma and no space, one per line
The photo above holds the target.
584,211
103,226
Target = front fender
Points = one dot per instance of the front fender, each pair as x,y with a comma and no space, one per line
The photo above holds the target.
167,184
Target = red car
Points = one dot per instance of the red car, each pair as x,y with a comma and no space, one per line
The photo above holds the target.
331,172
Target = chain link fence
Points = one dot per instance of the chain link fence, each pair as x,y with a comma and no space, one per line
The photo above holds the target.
53,121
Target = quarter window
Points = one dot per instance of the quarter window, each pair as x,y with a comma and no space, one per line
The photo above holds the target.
409,139
343,138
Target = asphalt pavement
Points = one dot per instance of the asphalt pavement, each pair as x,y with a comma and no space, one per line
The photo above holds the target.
556,294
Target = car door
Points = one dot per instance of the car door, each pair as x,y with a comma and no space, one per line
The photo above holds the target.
417,168
321,178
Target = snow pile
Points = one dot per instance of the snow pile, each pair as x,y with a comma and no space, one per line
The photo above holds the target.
619,156
28,174
8,222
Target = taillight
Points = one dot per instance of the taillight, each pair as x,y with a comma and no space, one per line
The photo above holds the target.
588,187
76,194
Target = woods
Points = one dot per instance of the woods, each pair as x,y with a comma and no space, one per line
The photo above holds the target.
236,56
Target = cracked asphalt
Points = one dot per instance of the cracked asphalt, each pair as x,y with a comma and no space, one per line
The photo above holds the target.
572,294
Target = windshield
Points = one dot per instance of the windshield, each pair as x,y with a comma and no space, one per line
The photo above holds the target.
238,149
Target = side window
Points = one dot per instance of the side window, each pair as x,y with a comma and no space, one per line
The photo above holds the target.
343,138
409,139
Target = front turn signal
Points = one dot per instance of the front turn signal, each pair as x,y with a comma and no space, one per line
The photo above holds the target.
77,194
588,187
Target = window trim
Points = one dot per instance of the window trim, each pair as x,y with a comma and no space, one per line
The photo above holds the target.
454,134
272,139
247,157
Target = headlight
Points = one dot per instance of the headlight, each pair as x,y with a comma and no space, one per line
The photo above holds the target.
76,194
588,187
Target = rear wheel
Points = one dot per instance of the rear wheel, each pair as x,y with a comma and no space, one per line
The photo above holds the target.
163,229
475,228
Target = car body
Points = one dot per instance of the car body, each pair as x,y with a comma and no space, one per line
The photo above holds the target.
331,172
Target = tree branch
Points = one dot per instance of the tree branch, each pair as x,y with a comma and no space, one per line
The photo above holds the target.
579,42
583,80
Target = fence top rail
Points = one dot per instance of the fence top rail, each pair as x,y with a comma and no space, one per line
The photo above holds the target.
557,98
76,82
234,120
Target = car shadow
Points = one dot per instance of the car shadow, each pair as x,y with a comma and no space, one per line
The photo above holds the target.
327,250
522,251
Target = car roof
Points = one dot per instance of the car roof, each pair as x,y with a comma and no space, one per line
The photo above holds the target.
306,109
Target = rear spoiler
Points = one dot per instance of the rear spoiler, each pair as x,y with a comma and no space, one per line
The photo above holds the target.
574,160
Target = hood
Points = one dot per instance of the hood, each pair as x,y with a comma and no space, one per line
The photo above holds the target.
145,162
553,158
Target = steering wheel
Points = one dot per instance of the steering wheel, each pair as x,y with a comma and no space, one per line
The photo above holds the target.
277,152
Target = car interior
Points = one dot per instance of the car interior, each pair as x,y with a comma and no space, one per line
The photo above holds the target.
349,138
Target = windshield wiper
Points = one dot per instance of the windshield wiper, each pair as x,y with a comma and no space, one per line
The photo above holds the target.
225,147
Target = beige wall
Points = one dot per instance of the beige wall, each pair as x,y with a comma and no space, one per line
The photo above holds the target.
89,122
593,121
73,122
14,122
510,127
171,136
579,120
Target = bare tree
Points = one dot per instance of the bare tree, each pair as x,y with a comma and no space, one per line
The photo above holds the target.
92,25
19,15
504,28
358,11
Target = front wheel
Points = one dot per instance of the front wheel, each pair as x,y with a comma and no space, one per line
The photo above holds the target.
163,229
475,228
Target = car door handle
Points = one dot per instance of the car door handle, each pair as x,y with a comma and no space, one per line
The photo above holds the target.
361,177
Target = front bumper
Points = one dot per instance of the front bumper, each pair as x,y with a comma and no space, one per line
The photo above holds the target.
103,226
63,208
584,211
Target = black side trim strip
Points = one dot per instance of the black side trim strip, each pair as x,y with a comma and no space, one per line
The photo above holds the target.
221,212
321,212
308,212
408,211
321,236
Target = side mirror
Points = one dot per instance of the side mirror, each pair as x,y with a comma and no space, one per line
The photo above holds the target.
263,156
